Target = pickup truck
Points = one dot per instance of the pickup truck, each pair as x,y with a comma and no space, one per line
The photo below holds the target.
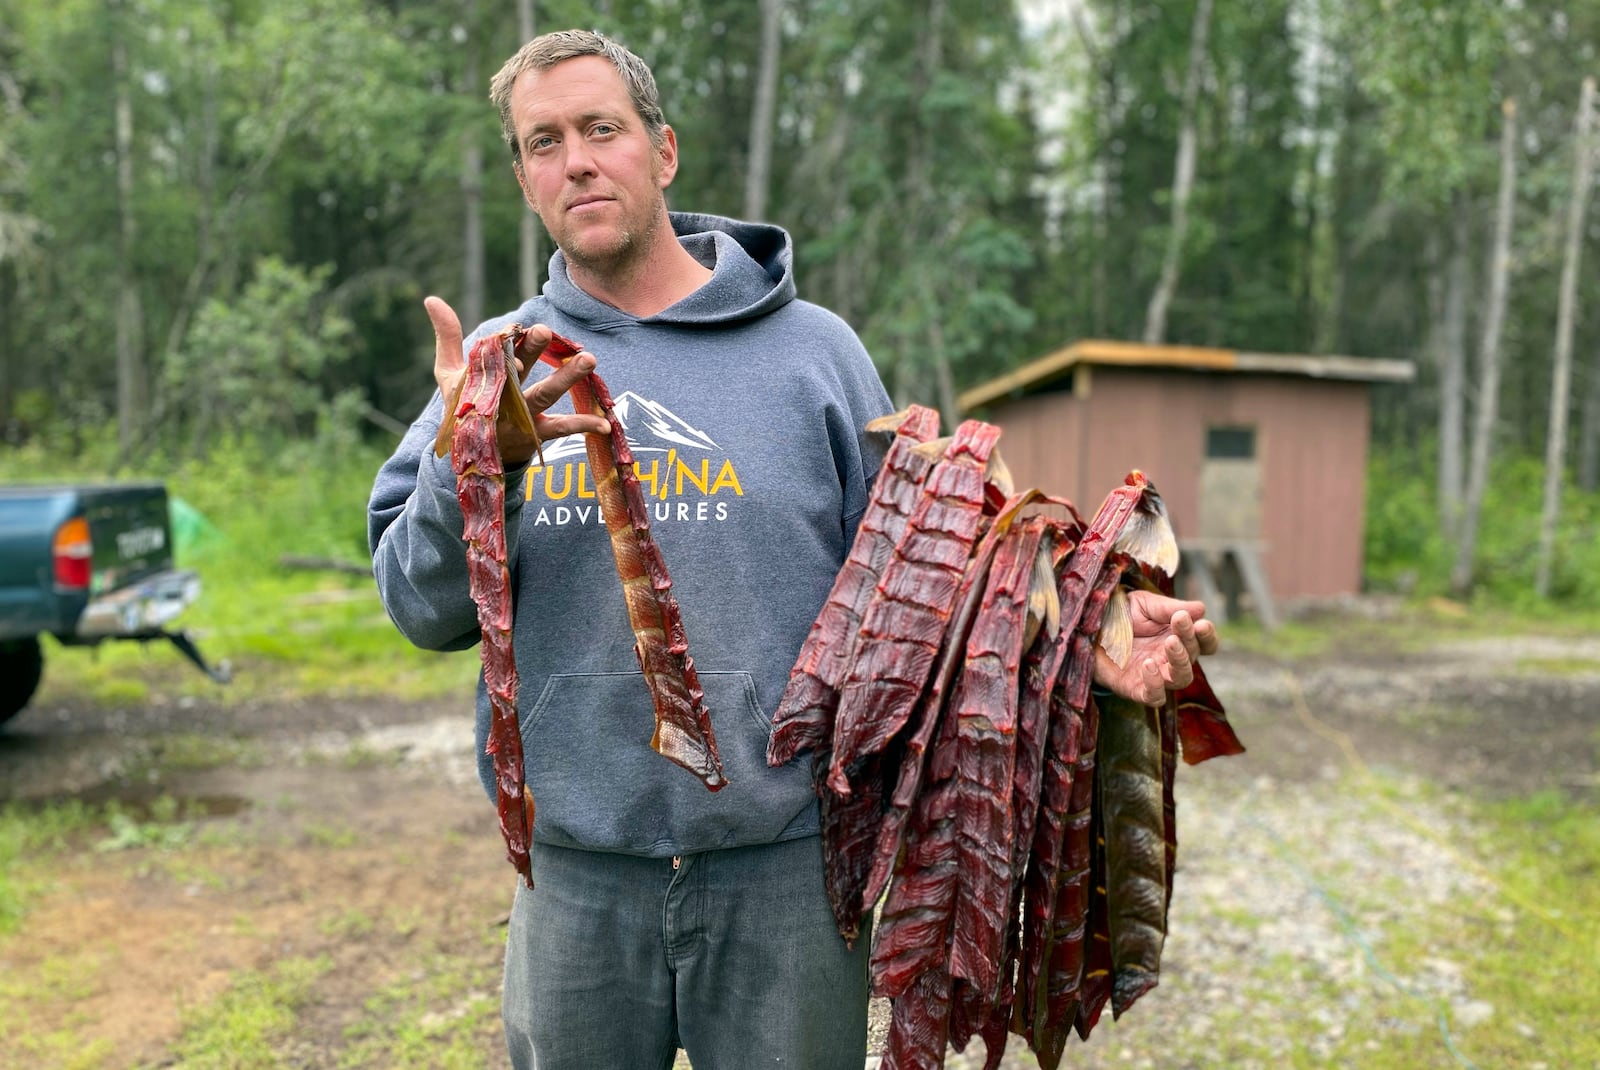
86,564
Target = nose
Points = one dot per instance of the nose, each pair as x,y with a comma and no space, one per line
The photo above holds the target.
580,162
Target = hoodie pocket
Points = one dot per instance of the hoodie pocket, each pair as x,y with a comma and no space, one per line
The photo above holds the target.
597,784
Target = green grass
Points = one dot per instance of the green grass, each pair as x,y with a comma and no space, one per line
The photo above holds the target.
191,752
32,841
1547,854
56,980
245,1028
438,1019
334,837
1416,625
29,837
1413,626
1558,666
1527,949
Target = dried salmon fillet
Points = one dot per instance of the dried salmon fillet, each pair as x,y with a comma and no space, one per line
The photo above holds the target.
920,729
850,827
913,934
683,724
1132,801
805,713
985,707
962,778
468,433
902,627
919,1025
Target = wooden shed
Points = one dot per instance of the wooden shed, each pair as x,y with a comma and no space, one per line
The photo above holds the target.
1261,457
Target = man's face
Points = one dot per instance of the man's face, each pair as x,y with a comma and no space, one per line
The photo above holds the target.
588,167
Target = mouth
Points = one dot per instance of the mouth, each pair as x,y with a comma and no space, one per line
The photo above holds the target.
589,203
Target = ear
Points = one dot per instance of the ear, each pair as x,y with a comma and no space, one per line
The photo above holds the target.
667,158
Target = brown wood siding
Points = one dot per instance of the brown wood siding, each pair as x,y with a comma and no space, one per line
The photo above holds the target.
1311,440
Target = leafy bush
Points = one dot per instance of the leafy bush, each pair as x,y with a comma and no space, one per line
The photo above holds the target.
1405,548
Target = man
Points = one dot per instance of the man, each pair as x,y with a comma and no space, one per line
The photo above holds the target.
664,915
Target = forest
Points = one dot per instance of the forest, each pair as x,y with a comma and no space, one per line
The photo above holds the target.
218,219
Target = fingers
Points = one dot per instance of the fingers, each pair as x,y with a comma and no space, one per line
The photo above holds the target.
547,391
1183,630
565,424
1153,683
447,360
1178,671
1172,608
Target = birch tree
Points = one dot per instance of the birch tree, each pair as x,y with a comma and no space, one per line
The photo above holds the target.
1450,333
1489,354
1155,322
132,388
472,267
764,112
1555,457
529,246
1589,434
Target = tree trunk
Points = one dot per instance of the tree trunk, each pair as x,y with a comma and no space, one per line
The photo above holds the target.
1452,354
763,113
1155,319
1589,443
1489,354
132,390
531,247
1101,100
1555,454
944,383
472,285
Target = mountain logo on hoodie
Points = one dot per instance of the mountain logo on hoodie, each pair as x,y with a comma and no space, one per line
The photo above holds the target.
672,458
651,427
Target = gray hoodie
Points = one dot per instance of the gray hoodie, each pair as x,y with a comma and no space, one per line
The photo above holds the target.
745,407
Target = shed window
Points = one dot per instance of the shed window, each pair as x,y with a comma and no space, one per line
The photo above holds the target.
1231,443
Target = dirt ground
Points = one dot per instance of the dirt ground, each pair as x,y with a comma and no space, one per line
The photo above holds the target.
356,830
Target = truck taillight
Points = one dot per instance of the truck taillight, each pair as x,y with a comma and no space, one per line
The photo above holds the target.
73,553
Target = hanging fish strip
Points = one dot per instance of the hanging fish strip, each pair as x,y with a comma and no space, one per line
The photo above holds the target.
682,723
1019,829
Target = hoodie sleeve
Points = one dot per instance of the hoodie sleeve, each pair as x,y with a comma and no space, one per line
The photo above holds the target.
862,451
414,527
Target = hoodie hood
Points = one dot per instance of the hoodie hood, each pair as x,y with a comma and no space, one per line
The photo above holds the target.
752,266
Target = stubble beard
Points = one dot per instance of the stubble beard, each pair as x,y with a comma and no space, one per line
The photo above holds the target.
618,258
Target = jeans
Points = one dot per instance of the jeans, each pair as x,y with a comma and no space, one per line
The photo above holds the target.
613,962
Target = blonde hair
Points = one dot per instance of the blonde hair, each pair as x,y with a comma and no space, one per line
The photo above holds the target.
547,50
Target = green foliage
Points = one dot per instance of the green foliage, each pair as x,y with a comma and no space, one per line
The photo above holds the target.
163,831
295,632
1405,549
969,185
260,361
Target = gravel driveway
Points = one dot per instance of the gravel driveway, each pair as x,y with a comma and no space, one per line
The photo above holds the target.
1345,822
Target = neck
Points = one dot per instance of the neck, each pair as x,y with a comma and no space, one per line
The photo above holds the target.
657,277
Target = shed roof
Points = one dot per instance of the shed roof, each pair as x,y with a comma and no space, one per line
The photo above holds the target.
1192,358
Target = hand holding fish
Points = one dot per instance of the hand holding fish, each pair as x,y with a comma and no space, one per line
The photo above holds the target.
517,444
1169,636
